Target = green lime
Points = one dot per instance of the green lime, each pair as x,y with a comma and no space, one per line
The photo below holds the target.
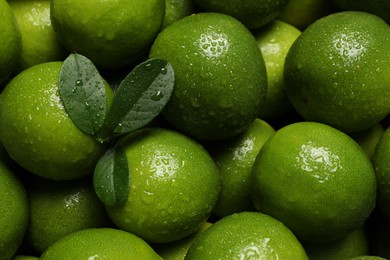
10,41
14,212
234,158
275,39
58,208
253,13
38,133
354,244
307,175
302,13
338,71
382,171
39,41
100,243
111,33
177,250
176,10
247,235
220,75
378,7
174,186
368,139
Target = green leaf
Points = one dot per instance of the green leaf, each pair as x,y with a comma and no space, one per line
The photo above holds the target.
141,96
111,179
82,91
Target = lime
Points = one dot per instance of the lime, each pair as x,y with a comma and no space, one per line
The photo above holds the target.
39,42
275,39
220,76
354,244
14,212
38,133
307,175
378,7
104,243
173,189
302,13
247,235
10,41
177,250
176,10
58,208
382,171
337,71
253,13
368,139
234,158
110,33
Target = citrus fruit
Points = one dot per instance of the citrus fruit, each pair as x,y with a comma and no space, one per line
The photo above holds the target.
234,158
104,243
368,139
253,14
302,13
337,71
10,41
58,208
176,10
307,176
247,235
111,33
354,244
37,132
379,7
173,189
382,171
274,40
14,212
39,42
177,250
220,76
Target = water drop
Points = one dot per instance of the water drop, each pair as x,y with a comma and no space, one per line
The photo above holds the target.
148,66
158,96
79,83
164,71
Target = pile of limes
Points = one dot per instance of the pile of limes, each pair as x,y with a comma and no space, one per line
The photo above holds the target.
194,129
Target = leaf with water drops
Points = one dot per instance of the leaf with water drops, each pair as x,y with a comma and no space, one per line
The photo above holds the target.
111,179
141,96
82,91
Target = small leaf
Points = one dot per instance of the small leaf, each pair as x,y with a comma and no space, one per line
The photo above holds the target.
83,93
141,96
111,179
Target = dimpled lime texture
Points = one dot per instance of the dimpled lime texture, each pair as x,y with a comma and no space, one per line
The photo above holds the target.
111,33
38,133
10,41
247,235
100,243
174,186
235,158
252,13
220,77
14,212
382,171
39,41
58,208
316,180
338,71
